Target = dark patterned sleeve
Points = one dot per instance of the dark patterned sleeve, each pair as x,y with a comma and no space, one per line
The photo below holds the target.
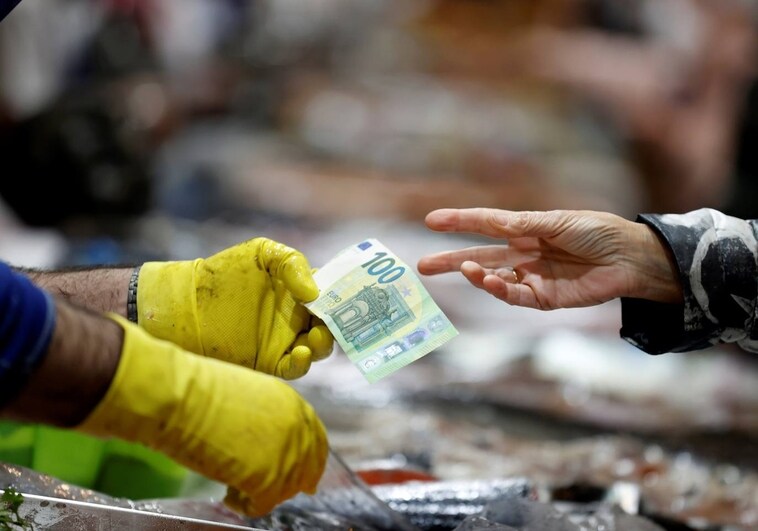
717,259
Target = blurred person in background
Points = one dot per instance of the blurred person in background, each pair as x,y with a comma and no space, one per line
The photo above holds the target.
90,90
677,76
674,79
686,281
73,356
121,76
63,130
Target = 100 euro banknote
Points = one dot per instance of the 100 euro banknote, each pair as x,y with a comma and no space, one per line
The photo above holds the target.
378,310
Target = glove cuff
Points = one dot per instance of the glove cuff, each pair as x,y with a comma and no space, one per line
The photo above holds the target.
166,303
149,384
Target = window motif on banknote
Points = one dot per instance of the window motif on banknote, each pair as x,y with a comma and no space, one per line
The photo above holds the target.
373,312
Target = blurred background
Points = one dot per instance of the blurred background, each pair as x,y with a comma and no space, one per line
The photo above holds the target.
133,130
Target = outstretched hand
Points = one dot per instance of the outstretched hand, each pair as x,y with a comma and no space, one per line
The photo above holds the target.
556,259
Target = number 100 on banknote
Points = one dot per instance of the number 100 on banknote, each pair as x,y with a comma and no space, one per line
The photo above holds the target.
378,310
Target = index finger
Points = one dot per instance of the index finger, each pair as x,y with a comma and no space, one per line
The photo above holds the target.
501,223
469,220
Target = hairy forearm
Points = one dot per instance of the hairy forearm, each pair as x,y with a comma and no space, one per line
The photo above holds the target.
97,289
80,363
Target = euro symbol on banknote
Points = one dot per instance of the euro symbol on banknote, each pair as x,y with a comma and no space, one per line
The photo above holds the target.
378,310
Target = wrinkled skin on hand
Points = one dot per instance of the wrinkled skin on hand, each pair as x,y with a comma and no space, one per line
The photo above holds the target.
243,305
556,259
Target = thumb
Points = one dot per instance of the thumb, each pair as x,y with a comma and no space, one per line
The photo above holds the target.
291,267
298,278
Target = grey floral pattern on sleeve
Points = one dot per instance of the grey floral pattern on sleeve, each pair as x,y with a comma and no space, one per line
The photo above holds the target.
717,259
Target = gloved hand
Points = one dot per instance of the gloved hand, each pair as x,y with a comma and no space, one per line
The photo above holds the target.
248,430
242,305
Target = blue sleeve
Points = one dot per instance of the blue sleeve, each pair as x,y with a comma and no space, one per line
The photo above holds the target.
6,6
27,322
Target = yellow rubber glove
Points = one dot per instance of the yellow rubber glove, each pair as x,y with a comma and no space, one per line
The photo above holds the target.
242,305
248,430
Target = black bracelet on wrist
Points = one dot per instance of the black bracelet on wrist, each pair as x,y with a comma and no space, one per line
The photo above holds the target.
131,296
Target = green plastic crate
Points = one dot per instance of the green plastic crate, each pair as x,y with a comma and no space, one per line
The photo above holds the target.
114,467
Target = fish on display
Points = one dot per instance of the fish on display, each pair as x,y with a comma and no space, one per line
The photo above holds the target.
414,506
443,505
521,514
